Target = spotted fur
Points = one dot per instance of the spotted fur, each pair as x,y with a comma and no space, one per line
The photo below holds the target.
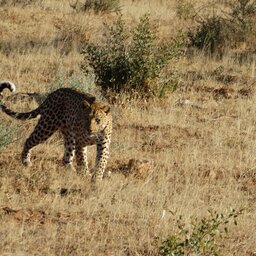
81,119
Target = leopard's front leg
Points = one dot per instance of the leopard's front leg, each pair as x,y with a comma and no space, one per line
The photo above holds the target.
102,155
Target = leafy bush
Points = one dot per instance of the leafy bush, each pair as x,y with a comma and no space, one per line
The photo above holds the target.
130,61
98,6
202,238
210,35
227,29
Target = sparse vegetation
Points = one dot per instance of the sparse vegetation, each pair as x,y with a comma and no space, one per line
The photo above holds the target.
8,134
125,66
184,9
21,3
218,30
210,35
97,6
202,238
80,82
179,155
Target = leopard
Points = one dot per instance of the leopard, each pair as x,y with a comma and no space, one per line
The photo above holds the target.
83,121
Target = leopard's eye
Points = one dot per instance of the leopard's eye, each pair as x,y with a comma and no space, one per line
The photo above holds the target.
97,120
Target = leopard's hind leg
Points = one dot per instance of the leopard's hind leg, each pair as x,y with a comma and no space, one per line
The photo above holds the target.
69,145
40,134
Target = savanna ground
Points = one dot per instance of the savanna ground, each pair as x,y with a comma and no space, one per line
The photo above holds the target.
198,144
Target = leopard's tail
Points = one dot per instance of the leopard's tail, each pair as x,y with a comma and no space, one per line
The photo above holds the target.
7,84
20,116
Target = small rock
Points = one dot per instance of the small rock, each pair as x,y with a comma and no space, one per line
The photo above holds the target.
140,168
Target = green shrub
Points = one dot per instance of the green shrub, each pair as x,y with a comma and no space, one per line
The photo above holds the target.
202,239
109,61
130,60
98,6
216,32
210,35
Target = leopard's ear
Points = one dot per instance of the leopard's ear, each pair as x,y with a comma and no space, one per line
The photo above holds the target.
86,104
106,108
101,106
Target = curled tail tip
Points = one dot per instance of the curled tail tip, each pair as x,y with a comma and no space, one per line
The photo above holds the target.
12,86
7,84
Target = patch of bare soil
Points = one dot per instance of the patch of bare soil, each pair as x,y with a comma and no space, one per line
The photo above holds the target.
138,168
171,132
38,216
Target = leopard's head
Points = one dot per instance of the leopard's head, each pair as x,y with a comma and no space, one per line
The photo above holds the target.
100,117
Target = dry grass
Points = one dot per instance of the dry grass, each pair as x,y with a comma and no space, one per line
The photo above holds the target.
201,141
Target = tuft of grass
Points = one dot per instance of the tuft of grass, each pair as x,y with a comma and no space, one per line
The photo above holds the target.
21,3
97,6
217,31
201,141
184,9
80,81
8,134
202,238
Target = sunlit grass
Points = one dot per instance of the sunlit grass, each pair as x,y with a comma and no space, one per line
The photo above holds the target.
200,141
